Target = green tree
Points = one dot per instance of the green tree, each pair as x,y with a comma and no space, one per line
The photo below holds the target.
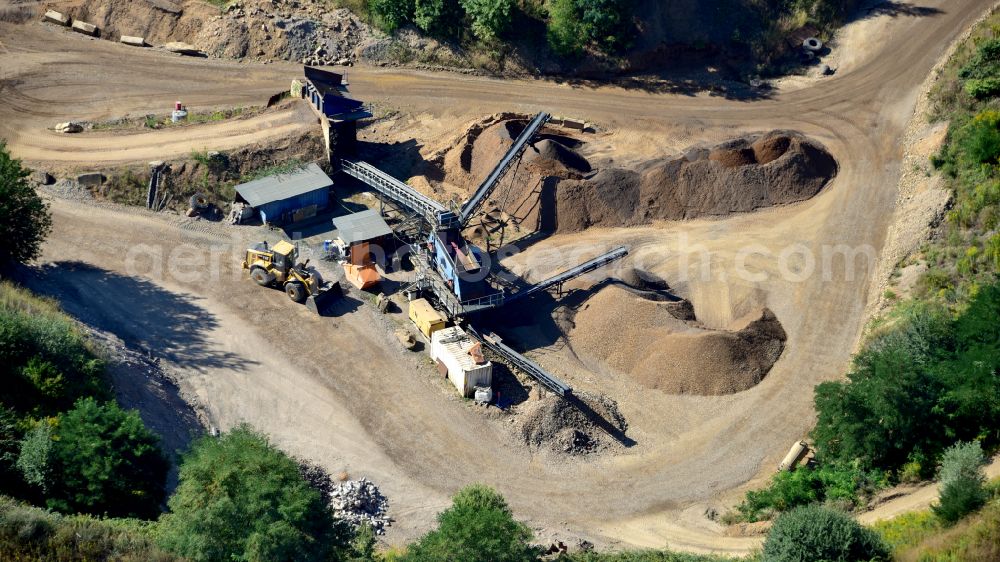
440,18
35,458
886,409
105,461
605,22
811,533
478,527
565,30
24,217
390,15
240,498
490,18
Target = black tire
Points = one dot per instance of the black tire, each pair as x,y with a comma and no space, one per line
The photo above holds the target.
199,201
295,291
261,277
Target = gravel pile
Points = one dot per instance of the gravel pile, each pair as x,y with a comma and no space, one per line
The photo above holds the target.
584,425
663,347
738,176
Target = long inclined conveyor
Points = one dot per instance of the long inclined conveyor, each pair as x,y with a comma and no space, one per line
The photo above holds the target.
582,269
399,193
522,363
489,184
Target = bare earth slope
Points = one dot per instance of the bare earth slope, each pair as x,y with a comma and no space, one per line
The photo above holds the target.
373,412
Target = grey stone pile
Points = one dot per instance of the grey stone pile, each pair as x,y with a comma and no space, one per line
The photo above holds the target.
360,501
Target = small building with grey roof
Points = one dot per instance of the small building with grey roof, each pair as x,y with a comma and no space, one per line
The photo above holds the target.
287,197
363,226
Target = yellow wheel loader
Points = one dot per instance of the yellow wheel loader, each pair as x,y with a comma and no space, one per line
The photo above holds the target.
275,266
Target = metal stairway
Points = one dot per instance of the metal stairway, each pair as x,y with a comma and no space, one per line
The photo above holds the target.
470,207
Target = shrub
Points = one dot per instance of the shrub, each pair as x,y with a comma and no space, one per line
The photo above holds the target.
24,217
45,362
240,498
478,527
983,87
806,486
959,498
390,15
811,533
103,460
962,482
30,533
489,18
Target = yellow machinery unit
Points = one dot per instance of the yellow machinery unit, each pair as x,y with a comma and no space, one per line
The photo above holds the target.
276,266
427,319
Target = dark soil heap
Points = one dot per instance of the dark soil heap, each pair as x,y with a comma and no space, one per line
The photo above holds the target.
738,176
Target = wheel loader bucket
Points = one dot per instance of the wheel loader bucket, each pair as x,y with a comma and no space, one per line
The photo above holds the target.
319,302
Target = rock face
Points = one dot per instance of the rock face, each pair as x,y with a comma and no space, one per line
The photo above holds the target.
738,176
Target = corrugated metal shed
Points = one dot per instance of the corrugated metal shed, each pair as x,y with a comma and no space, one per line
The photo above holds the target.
361,227
277,196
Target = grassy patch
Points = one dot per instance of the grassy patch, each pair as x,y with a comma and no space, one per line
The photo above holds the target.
30,533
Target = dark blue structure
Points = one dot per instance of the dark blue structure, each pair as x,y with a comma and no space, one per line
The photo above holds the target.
279,197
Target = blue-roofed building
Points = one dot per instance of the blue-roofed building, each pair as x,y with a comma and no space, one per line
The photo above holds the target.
289,197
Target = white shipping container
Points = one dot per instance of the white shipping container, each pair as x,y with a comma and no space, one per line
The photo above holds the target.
451,347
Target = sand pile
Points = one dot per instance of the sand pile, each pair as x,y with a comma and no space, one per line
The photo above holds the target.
552,158
456,168
577,426
661,347
738,176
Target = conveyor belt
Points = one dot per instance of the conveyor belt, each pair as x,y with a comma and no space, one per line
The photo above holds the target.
400,193
582,269
522,363
489,184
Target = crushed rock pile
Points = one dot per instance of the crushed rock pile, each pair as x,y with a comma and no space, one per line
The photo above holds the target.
741,175
360,501
353,501
565,427
663,347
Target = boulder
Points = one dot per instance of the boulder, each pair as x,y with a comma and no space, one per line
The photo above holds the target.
69,127
91,179
183,49
43,178
85,28
57,18
133,41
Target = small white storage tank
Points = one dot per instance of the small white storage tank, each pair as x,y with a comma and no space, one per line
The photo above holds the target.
461,359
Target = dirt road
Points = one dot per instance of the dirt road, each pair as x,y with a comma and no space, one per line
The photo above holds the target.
340,391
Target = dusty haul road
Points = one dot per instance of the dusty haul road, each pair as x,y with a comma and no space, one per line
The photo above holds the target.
341,392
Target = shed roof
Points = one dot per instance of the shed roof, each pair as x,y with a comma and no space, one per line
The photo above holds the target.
283,186
361,226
